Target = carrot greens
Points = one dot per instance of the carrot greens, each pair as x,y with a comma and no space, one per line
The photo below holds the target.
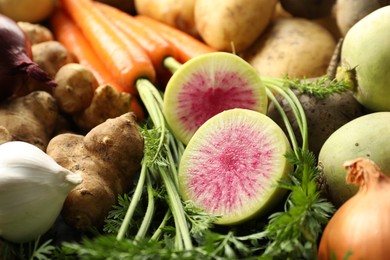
320,88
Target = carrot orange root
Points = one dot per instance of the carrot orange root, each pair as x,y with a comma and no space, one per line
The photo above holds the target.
124,58
186,45
69,35
150,40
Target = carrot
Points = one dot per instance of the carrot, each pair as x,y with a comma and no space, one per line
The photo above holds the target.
125,59
155,46
70,36
186,45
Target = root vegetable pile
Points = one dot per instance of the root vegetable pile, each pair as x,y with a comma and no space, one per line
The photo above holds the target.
194,130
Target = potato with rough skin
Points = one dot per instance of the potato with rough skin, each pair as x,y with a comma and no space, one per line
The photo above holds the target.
75,89
231,25
36,33
27,10
294,47
178,14
349,12
107,157
106,103
31,118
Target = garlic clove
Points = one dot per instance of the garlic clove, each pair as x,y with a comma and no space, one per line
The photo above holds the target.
33,188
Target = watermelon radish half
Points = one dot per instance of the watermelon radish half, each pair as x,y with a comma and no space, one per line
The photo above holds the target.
207,85
232,164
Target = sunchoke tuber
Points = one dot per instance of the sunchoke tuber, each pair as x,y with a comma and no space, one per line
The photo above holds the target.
36,33
31,118
75,89
107,157
106,103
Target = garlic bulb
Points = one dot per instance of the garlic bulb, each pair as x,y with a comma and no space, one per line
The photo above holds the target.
33,188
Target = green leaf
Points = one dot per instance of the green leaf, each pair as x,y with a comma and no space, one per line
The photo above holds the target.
44,251
319,88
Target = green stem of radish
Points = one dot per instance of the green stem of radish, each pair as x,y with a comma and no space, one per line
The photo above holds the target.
171,64
156,235
278,86
147,92
172,163
149,211
152,100
133,203
177,210
303,120
290,131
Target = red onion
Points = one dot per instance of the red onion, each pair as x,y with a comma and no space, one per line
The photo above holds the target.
16,64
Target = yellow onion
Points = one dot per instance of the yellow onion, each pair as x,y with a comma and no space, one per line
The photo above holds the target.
360,228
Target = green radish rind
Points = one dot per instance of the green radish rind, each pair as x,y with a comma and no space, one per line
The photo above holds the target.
188,105
367,136
365,55
232,164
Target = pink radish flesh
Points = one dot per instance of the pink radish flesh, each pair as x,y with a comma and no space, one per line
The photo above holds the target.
232,163
204,96
208,85
230,170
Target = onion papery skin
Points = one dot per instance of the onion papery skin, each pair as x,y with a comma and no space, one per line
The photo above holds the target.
360,228
16,64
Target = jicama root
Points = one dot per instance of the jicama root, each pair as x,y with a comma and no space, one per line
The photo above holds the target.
31,118
107,158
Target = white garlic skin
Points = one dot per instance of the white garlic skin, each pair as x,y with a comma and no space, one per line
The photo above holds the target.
33,188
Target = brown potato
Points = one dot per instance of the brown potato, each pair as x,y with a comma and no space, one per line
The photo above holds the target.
32,11
294,47
226,23
348,12
179,14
